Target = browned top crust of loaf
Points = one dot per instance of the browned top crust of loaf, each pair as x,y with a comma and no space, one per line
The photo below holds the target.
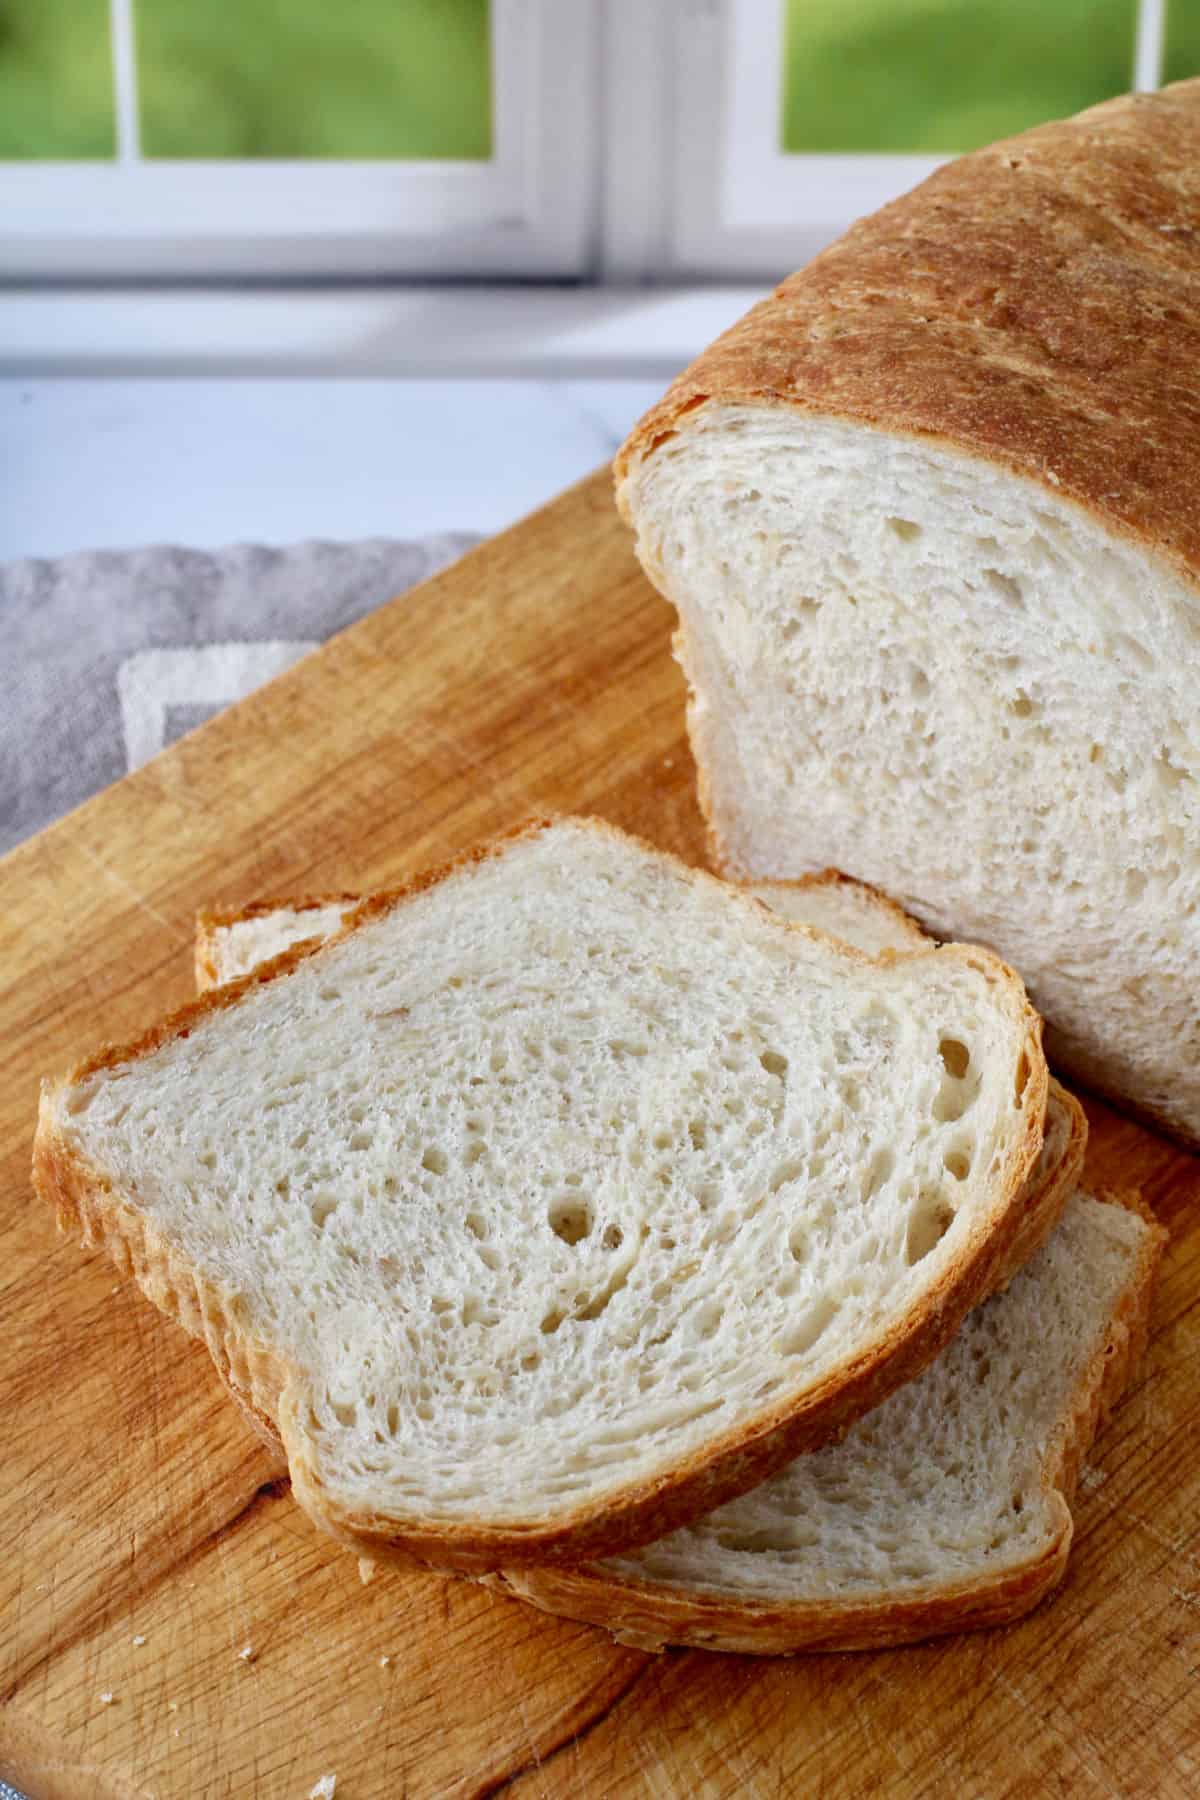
1036,304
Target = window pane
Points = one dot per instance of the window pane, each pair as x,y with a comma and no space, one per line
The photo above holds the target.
327,78
56,80
1183,40
938,76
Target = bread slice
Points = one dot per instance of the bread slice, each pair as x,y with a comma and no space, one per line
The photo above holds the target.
928,517
785,1567
945,1509
232,940
564,1195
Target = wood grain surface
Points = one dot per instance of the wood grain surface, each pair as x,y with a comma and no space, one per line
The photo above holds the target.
148,1540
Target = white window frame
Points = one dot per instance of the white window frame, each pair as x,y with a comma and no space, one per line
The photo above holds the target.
528,211
703,108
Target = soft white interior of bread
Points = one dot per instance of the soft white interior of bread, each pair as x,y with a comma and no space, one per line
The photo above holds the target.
858,915
944,1482
846,909
565,1165
938,677
243,944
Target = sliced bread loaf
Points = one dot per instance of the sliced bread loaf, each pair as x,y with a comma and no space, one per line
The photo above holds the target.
945,1509
564,1195
231,941
928,516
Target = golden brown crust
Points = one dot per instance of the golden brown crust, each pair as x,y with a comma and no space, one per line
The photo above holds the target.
643,1509
652,1615
1035,304
1044,1203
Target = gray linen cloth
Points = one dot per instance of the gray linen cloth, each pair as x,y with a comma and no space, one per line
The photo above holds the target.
113,654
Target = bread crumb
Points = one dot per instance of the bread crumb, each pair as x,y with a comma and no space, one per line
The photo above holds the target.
385,1662
138,1641
108,1699
246,1653
172,1706
366,1569
324,1789
1091,1479
1186,1596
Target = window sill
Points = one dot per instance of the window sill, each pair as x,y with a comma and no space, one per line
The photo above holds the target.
524,331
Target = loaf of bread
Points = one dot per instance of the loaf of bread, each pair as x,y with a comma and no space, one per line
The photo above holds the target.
563,1196
929,516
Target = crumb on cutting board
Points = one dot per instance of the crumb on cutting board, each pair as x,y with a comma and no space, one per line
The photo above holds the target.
246,1653
325,1789
108,1699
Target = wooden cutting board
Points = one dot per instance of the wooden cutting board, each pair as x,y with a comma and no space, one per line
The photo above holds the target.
170,1623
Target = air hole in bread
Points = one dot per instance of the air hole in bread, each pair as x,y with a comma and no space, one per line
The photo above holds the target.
790,1170
958,1163
698,1132
1007,589
919,683
804,1334
1169,776
774,1063
907,530
1022,1080
956,1057
799,1243
346,1414
613,1237
1022,705
361,1140
877,1171
570,1220
931,1219
552,1321
320,1207
708,1318
435,1161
